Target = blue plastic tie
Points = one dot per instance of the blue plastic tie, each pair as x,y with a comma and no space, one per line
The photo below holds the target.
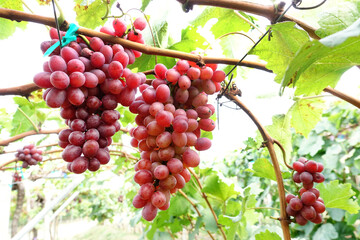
69,37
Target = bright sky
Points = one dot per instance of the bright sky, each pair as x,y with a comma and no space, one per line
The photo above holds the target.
21,59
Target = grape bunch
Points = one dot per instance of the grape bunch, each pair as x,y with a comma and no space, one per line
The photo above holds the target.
87,83
171,113
16,177
309,206
29,154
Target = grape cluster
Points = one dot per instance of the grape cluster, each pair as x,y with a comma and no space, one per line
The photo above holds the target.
171,113
29,154
16,177
309,206
87,83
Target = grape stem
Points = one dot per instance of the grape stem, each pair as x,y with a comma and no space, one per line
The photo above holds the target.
268,11
283,152
269,143
29,119
207,202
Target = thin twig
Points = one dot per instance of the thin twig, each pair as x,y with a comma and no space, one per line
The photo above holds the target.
207,202
240,33
283,152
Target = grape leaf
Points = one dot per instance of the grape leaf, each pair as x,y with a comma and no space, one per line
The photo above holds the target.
319,64
5,120
190,40
263,168
337,19
144,4
333,155
216,187
281,49
8,27
279,130
227,21
267,235
337,195
178,206
33,110
311,145
89,13
325,232
305,114
147,62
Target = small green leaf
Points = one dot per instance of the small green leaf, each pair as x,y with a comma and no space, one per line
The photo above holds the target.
190,40
267,235
89,13
8,27
279,130
263,168
210,223
216,187
178,206
285,42
227,21
311,145
144,4
147,62
337,195
305,114
325,232
338,18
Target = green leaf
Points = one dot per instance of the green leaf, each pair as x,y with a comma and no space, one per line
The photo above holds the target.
89,13
311,145
305,114
227,21
280,50
5,120
190,40
216,187
147,62
263,168
325,232
332,156
210,223
338,18
8,27
337,195
279,130
178,206
144,4
267,235
319,64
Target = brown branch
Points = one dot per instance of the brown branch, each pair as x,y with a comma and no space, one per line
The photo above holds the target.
7,163
23,90
267,11
22,16
343,96
269,142
26,134
207,202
